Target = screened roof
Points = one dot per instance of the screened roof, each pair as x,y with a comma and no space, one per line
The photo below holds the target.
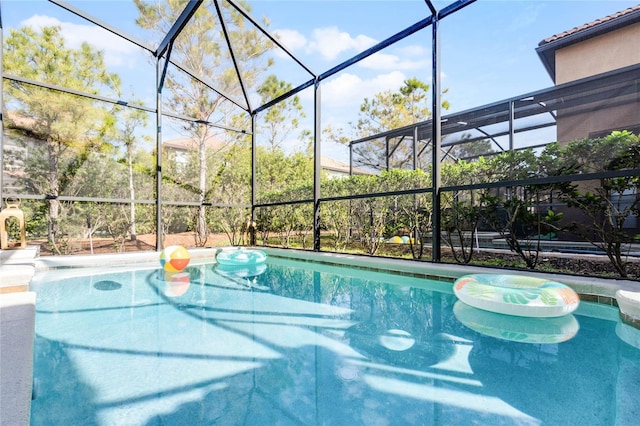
615,88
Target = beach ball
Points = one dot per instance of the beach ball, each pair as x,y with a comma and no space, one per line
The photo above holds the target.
174,258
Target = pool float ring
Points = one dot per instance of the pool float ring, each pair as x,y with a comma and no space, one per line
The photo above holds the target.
516,295
517,329
241,257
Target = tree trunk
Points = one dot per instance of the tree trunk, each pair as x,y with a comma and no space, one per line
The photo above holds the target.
132,196
53,192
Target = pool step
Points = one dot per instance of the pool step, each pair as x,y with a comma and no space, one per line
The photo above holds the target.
629,304
17,268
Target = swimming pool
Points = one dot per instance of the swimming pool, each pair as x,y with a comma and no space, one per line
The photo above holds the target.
304,343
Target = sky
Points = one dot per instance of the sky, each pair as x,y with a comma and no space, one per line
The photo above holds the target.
487,49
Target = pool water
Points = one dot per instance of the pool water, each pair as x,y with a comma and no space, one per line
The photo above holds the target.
300,343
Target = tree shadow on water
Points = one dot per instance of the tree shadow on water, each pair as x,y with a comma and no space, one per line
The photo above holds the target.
59,395
309,385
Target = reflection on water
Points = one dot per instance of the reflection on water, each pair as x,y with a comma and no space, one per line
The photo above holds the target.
247,274
516,328
299,343
174,283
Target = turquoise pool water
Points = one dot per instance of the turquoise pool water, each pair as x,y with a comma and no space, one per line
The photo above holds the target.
300,343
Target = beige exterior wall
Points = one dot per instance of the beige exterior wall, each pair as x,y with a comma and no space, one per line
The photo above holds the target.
600,54
572,126
608,52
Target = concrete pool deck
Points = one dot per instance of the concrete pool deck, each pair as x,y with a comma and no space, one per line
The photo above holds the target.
17,332
17,268
17,304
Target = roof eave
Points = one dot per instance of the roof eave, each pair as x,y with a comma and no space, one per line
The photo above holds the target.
546,50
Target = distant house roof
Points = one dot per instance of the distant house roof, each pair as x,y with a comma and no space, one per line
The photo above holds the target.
184,144
327,163
336,166
547,47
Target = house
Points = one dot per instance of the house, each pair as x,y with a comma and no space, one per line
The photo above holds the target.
599,47
333,168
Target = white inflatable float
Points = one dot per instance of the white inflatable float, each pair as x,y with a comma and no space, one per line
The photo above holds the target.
516,295
241,257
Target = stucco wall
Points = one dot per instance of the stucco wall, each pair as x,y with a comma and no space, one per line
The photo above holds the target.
574,125
600,54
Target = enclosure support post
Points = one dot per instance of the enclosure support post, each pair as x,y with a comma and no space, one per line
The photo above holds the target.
414,148
416,233
254,166
386,153
511,125
437,142
159,74
317,153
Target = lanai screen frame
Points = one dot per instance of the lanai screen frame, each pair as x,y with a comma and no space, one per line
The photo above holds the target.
618,84
162,56
503,111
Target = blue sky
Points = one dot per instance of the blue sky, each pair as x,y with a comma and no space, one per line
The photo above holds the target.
488,49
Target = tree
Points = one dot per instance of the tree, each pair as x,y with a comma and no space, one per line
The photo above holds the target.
387,110
284,117
69,127
132,121
470,150
519,213
390,110
335,216
232,181
200,48
461,210
276,168
278,171
607,204
410,214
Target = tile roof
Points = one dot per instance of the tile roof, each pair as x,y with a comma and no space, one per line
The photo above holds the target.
591,24
334,165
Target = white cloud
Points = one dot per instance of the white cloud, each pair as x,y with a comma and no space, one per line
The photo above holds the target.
331,42
407,58
387,61
291,39
117,52
350,90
